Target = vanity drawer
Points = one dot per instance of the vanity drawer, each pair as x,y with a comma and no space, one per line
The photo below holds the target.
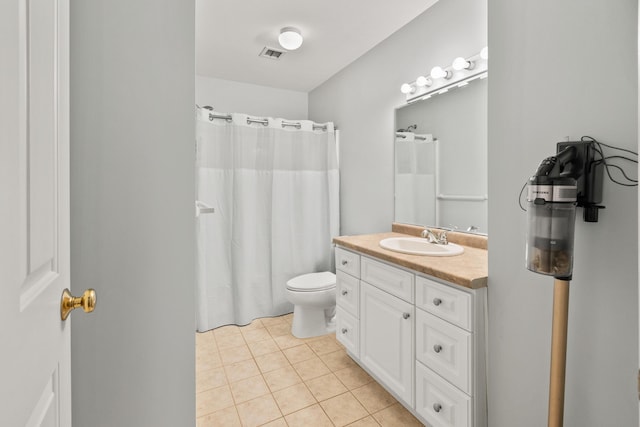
348,262
440,403
348,331
445,302
348,293
444,348
393,280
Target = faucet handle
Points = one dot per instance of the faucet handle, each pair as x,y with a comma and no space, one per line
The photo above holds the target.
428,234
440,239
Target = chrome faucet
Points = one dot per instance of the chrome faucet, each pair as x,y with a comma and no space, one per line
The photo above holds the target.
428,234
438,240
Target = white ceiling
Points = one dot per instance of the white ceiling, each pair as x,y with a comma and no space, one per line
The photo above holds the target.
231,33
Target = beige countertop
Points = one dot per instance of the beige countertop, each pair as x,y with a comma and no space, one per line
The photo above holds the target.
468,269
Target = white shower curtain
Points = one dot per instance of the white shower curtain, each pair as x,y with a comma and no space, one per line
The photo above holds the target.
416,179
274,188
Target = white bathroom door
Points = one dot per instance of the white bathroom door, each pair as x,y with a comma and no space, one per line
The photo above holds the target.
35,386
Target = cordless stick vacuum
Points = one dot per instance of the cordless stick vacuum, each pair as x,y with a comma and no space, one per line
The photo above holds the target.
570,178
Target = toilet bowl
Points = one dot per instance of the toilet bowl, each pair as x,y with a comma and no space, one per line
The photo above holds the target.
314,298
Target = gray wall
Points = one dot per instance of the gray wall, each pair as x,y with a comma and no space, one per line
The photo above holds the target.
132,212
256,100
362,97
562,69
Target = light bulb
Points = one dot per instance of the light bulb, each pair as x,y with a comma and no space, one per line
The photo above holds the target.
423,81
484,53
438,73
461,64
406,88
290,38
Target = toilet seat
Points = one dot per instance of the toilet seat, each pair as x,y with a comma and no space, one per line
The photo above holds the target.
312,282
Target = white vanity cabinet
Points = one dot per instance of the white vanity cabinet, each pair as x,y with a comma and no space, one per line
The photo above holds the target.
421,338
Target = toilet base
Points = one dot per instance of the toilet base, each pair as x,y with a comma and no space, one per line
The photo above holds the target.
312,321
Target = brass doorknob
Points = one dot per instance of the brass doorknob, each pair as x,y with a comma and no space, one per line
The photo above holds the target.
68,302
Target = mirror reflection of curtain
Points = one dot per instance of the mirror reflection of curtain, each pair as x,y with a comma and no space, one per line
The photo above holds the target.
459,120
415,184
275,194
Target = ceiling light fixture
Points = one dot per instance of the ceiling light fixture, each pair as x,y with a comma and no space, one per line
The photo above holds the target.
290,38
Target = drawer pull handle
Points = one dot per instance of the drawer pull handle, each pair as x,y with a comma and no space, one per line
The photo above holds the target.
437,407
406,315
437,301
344,292
437,348
345,262
344,330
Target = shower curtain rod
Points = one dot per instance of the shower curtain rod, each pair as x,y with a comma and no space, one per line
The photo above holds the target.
420,137
264,122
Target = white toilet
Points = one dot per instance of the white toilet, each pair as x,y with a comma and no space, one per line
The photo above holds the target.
314,298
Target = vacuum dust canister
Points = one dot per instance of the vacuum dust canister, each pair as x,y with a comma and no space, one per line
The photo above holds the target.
551,212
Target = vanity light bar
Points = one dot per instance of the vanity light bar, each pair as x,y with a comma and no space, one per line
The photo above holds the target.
440,80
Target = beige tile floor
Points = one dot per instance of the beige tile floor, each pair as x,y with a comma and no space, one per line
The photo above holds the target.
261,375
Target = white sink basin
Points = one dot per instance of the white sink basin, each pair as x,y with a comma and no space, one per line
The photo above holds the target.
420,246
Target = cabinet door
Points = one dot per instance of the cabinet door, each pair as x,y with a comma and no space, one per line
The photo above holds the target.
386,339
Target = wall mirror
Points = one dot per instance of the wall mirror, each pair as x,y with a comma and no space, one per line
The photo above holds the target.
441,160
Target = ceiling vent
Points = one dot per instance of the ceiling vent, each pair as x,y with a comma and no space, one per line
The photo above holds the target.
271,53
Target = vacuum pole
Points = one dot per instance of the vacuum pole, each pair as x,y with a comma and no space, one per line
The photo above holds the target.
558,352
